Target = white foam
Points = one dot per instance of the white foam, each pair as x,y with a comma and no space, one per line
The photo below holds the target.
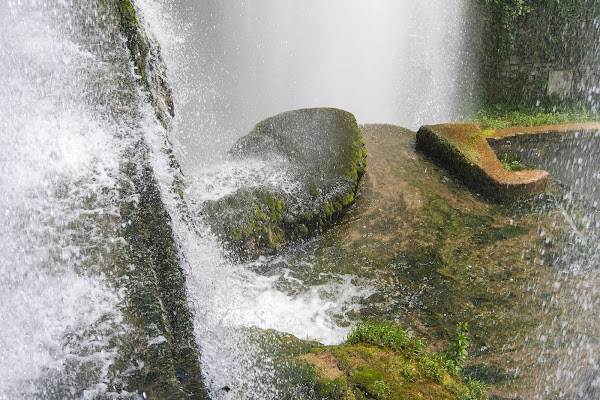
58,209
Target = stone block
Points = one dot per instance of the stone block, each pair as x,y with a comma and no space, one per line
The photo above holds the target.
464,151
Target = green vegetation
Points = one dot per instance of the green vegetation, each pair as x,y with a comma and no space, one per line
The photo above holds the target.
385,335
511,163
515,17
519,41
457,355
381,361
504,116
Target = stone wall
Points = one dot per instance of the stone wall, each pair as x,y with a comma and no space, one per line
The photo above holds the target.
537,51
541,81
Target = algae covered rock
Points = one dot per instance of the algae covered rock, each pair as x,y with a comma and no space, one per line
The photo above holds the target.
381,361
324,157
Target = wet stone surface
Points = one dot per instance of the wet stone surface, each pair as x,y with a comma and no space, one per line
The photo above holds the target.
436,254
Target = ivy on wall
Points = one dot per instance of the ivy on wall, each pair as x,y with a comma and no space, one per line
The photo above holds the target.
560,33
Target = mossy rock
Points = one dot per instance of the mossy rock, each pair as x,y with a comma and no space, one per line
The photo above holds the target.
464,151
147,61
358,369
367,371
322,152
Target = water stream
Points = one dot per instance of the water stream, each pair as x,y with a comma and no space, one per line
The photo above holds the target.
58,201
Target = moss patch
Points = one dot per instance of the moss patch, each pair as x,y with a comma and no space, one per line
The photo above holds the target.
147,61
381,361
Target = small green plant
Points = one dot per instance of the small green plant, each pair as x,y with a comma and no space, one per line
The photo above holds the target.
410,373
511,163
403,363
458,355
382,389
386,335
477,390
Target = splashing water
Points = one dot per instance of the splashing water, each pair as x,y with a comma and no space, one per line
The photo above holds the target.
568,340
66,82
234,63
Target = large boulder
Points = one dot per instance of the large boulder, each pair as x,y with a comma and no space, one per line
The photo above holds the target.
323,154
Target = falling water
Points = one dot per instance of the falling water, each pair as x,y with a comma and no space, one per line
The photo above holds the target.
67,117
568,354
235,63
58,166
232,64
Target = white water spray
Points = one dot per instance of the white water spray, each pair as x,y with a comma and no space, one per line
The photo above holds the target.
233,64
57,177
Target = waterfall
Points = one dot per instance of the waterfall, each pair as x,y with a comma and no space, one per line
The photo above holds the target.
232,64
235,63
71,120
58,166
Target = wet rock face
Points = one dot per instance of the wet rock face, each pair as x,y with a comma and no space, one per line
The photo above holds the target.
323,154
147,59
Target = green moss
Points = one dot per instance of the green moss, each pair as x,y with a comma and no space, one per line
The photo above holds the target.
381,364
149,71
494,234
369,381
137,42
324,387
128,16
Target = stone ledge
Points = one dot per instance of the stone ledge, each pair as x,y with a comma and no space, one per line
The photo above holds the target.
534,132
464,150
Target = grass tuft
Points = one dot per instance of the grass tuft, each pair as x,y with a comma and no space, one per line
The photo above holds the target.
385,335
502,116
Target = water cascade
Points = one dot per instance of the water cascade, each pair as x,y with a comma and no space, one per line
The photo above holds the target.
236,63
59,166
76,171
232,64
83,153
